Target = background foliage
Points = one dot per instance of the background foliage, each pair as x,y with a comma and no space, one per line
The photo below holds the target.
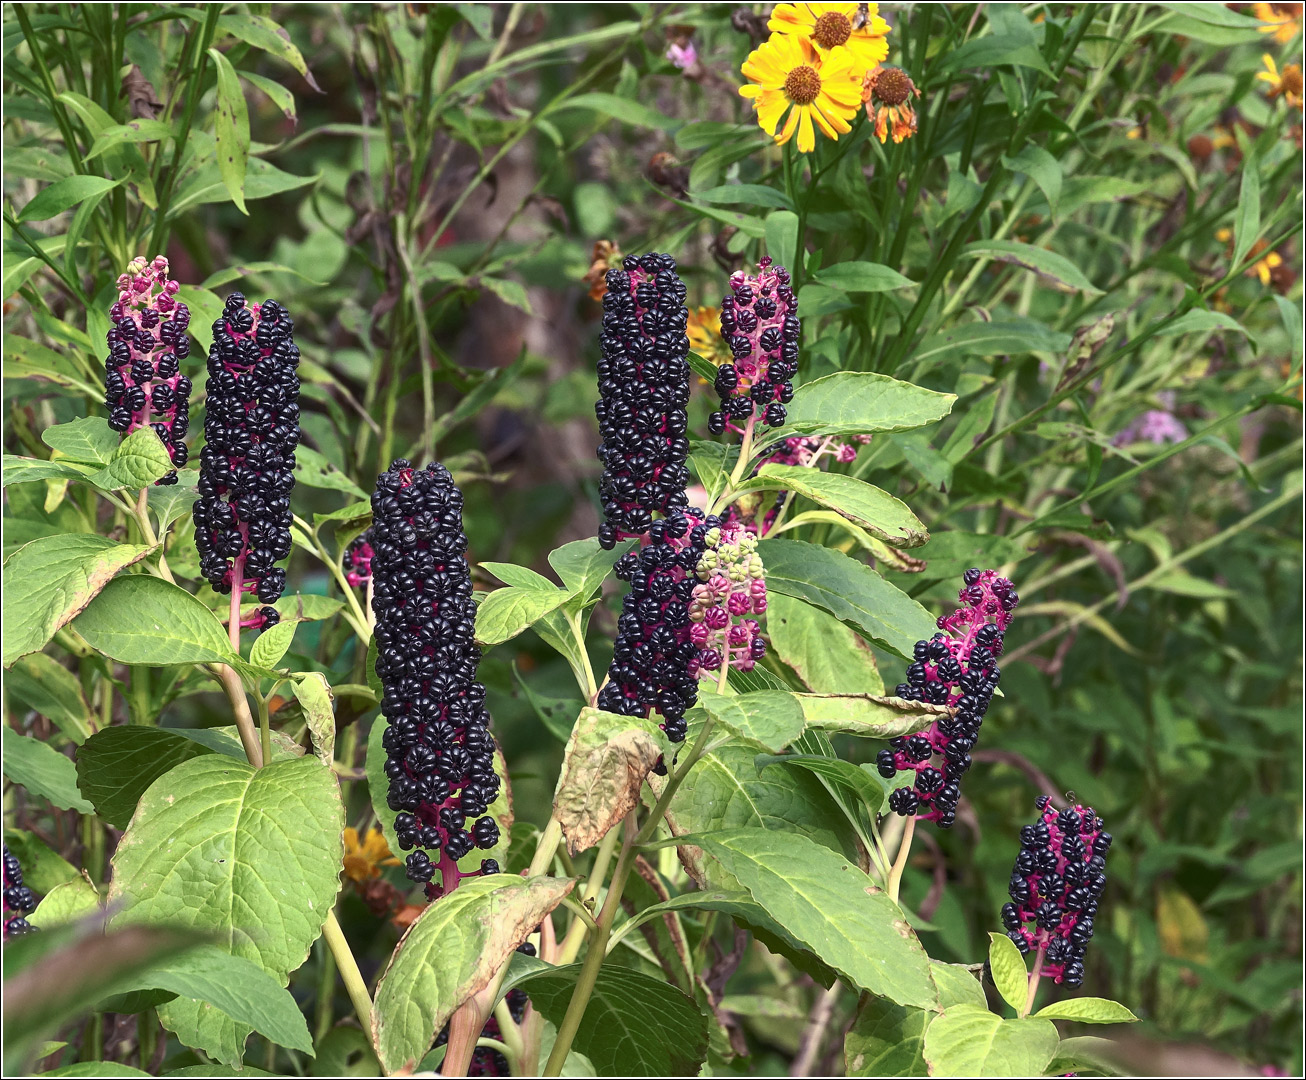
1098,221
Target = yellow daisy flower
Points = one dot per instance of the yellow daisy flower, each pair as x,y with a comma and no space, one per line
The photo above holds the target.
887,92
788,71
1282,20
364,859
1286,83
857,27
704,333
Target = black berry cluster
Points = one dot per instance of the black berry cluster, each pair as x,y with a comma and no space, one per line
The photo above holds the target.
1056,883
357,561
760,324
654,661
143,383
251,430
18,898
486,1061
956,667
643,394
440,753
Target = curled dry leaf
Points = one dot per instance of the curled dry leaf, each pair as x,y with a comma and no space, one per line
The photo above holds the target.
607,758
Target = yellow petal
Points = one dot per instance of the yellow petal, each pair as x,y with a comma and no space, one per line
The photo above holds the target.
769,111
806,136
787,131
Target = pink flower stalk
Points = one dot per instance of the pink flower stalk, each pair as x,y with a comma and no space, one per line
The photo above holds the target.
1056,884
732,586
760,324
357,562
957,668
143,383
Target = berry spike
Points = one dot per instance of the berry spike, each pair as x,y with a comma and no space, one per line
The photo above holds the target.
1056,883
143,383
956,667
759,322
251,430
655,662
18,898
643,394
440,753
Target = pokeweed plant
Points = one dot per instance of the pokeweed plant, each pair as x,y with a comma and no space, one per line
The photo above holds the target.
717,813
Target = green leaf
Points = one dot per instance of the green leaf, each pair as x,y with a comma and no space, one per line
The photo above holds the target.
874,509
249,856
1050,265
1198,321
867,786
1010,974
971,1041
263,33
556,714
142,619
782,238
44,771
1041,167
117,765
41,683
828,904
239,988
63,195
828,656
262,180
862,277
43,870
452,951
582,565
621,109
282,98
134,131
745,195
604,766
712,463
139,460
725,791
1089,1010
308,607
87,440
49,581
231,129
272,644
886,1039
860,403
314,696
870,715
995,50
849,590
66,903
771,718
1087,1053
634,1024
25,470
1247,218
313,470
505,613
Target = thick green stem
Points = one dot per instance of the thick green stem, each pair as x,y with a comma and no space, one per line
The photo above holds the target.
900,863
355,987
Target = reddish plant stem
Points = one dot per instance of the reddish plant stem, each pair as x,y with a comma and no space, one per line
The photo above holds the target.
1034,977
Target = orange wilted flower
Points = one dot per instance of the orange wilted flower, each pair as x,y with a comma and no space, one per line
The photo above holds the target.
364,858
1286,83
887,92
1281,20
606,256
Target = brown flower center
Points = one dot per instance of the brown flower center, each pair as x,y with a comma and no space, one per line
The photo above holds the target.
802,85
893,86
1291,80
832,29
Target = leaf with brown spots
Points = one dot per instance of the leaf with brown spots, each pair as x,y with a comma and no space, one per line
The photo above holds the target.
607,758
450,953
